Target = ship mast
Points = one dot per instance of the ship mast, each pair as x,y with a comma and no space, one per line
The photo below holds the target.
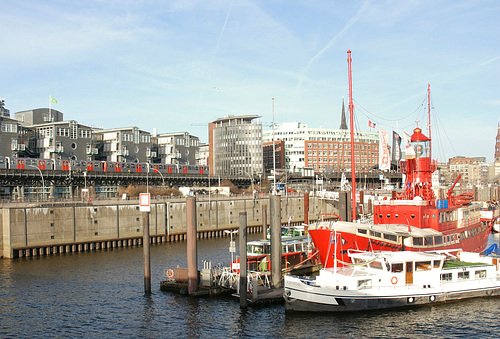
353,164
429,103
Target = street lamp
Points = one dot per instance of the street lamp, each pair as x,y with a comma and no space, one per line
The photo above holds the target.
232,245
162,179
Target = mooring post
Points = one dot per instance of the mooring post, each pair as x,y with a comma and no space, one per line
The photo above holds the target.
362,202
146,250
192,253
242,241
306,211
344,206
264,222
276,240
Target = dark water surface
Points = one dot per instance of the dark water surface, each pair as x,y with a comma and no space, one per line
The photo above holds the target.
101,294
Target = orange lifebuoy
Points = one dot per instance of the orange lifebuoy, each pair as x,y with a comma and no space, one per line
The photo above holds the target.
170,273
394,280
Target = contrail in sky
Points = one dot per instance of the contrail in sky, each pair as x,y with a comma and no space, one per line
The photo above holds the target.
331,43
213,56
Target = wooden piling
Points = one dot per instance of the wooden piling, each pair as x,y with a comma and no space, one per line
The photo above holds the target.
146,251
276,241
192,255
243,259
306,210
264,222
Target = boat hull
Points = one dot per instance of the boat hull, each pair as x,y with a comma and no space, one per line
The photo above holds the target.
301,295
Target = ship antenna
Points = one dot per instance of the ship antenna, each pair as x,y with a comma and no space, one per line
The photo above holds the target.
353,164
429,103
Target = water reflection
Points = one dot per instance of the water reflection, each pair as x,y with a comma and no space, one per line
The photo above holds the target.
102,294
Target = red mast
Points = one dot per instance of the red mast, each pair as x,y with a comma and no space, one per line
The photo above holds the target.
429,103
353,164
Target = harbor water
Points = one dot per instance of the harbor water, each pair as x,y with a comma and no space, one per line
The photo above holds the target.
102,294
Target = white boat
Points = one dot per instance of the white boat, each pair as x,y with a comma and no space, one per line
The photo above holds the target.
382,280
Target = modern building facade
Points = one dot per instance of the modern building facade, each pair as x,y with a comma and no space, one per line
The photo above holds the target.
278,152
335,155
63,140
203,155
235,145
46,135
323,149
129,144
177,148
467,167
11,137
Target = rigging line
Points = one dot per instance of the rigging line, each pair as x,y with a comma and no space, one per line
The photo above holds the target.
454,150
378,117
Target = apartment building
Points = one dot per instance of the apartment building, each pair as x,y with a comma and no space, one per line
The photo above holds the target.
235,144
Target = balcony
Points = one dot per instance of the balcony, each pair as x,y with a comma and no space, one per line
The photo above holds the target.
92,151
18,147
123,152
57,149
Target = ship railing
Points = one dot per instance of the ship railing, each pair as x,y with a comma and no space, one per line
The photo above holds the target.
228,278
262,279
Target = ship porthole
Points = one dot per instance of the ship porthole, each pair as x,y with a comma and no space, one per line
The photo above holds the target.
432,298
411,300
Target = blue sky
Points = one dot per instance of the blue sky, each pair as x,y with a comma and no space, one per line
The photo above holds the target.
178,65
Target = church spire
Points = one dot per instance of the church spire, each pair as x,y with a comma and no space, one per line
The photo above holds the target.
343,123
497,144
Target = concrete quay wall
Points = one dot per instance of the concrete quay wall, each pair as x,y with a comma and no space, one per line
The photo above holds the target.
50,229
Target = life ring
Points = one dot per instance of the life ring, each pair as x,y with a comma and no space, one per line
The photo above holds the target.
170,273
394,280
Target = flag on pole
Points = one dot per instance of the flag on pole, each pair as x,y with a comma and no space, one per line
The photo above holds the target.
396,147
409,151
53,100
371,124
383,151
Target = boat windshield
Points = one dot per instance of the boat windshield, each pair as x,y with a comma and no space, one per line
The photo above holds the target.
258,248
376,265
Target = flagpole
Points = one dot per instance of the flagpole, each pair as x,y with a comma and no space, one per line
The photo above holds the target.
397,161
50,109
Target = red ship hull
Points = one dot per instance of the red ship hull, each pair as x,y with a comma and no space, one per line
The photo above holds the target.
352,237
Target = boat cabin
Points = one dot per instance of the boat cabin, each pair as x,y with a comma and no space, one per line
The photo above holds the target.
293,251
425,270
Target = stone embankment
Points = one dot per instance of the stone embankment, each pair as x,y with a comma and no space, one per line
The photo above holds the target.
43,229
